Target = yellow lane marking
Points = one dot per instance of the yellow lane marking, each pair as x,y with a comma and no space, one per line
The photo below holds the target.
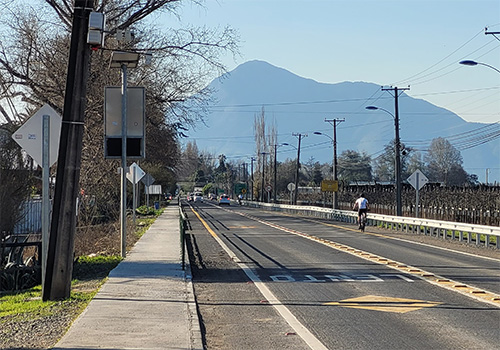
385,304
469,291
285,313
204,223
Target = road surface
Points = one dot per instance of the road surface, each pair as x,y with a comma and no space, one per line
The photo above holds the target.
264,280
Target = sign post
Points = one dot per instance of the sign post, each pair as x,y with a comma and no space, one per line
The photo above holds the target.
134,174
147,180
417,180
34,136
291,188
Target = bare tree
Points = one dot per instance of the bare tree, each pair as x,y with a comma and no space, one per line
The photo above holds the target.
444,163
33,59
16,180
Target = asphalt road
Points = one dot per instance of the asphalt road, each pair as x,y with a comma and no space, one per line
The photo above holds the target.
269,281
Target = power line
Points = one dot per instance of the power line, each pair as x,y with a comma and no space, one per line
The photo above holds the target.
435,64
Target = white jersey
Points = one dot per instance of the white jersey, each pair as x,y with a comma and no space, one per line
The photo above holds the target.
361,203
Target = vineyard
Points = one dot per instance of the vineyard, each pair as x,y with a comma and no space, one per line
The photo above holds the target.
472,204
475,205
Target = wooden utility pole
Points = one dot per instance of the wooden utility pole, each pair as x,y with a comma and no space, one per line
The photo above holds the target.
334,123
397,146
296,191
59,269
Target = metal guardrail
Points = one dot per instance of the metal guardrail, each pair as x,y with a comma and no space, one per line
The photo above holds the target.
479,234
182,230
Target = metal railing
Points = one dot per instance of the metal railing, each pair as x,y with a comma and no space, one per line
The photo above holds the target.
489,236
182,230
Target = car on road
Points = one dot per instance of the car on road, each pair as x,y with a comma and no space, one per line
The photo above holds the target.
198,197
189,197
224,200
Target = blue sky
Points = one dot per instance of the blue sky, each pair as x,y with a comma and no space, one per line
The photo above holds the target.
387,42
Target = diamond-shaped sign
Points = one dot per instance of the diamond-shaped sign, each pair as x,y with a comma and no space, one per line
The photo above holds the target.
148,180
418,179
29,135
139,173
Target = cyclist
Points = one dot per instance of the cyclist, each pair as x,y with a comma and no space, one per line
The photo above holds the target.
362,206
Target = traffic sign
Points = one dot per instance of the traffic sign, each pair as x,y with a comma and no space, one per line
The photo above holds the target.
291,186
418,179
148,180
29,135
329,186
139,173
240,188
269,188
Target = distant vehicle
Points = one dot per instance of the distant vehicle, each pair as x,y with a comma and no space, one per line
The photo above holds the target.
168,196
224,200
189,197
198,197
212,197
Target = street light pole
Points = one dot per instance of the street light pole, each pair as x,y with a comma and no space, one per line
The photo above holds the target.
334,123
397,152
123,200
275,171
398,161
124,60
251,170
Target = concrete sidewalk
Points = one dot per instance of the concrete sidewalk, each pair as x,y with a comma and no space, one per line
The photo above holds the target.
148,301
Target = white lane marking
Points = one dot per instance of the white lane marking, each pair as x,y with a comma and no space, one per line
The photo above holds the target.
482,295
290,318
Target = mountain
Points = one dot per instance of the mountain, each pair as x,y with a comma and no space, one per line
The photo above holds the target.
298,105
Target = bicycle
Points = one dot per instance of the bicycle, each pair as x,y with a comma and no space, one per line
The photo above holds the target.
362,221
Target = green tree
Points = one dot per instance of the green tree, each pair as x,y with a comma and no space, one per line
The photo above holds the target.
354,166
384,165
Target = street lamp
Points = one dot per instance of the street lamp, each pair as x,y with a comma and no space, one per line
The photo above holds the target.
124,60
397,152
474,63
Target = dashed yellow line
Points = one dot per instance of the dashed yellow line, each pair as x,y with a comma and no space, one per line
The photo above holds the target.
464,289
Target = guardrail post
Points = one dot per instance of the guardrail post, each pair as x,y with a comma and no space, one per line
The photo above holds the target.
182,230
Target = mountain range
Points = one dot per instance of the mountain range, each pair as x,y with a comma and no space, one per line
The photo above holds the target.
297,105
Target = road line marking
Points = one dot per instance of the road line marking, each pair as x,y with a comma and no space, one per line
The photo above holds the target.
471,291
399,239
286,314
385,304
